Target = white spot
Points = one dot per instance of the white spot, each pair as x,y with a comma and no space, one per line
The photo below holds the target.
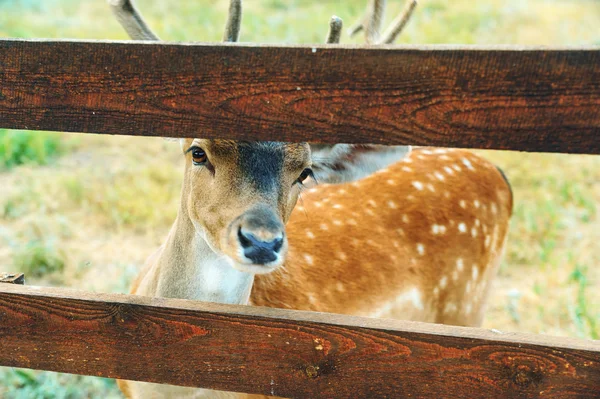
445,158
337,206
494,208
400,232
468,164
370,212
440,151
392,204
435,229
407,159
436,292
384,170
460,264
477,222
430,187
462,204
314,50
468,308
352,222
355,184
323,226
439,176
442,229
311,298
426,152
476,203
406,169
410,197
405,218
312,190
420,157
372,203
340,287
474,232
342,192
391,182
301,208
309,259
448,170
450,307
475,272
310,234
456,168
411,296
420,249
342,255
443,282
418,185
487,240
462,227
337,222
455,275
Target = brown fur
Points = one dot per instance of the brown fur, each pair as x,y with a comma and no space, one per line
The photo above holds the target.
420,240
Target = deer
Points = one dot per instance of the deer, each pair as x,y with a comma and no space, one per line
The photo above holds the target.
389,232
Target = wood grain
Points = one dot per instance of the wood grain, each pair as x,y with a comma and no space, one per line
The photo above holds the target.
286,353
515,98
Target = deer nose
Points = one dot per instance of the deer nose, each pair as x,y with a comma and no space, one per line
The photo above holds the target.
257,250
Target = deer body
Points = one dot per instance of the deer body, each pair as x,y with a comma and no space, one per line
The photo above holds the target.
420,240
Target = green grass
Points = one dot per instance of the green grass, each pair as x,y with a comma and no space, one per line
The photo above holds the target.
22,147
38,258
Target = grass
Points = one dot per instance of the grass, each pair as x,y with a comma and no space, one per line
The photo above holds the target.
18,148
85,211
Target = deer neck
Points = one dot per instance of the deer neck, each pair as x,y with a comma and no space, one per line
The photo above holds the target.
190,269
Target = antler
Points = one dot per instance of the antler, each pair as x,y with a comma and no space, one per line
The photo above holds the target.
373,19
131,20
335,30
399,23
137,29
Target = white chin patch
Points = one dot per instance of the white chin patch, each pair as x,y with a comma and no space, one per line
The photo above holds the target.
253,268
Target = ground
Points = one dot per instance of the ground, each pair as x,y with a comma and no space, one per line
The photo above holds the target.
85,211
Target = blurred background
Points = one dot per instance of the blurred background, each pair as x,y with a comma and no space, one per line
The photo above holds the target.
84,211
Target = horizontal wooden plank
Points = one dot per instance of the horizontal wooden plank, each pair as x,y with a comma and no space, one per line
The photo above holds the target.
286,353
496,98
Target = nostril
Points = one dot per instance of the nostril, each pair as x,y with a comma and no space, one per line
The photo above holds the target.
259,251
245,240
277,244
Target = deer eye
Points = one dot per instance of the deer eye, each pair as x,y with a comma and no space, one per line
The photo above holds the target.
306,173
198,155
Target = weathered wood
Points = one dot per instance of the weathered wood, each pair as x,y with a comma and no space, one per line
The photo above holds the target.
12,278
287,353
504,98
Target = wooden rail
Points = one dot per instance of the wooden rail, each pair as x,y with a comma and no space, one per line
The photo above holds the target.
499,98
287,353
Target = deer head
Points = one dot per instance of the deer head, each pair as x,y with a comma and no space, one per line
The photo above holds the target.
239,195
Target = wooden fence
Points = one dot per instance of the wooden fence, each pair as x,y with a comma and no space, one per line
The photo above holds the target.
497,98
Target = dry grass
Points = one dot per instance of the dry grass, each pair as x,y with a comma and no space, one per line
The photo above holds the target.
100,209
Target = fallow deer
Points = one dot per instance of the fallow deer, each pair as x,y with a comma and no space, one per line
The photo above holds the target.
420,239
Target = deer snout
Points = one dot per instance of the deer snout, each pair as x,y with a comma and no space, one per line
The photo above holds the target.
261,236
258,250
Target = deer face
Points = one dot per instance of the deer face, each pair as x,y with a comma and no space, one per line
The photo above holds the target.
239,195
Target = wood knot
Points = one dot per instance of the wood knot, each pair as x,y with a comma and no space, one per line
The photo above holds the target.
524,375
312,371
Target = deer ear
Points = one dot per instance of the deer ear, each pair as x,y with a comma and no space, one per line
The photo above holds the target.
343,163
